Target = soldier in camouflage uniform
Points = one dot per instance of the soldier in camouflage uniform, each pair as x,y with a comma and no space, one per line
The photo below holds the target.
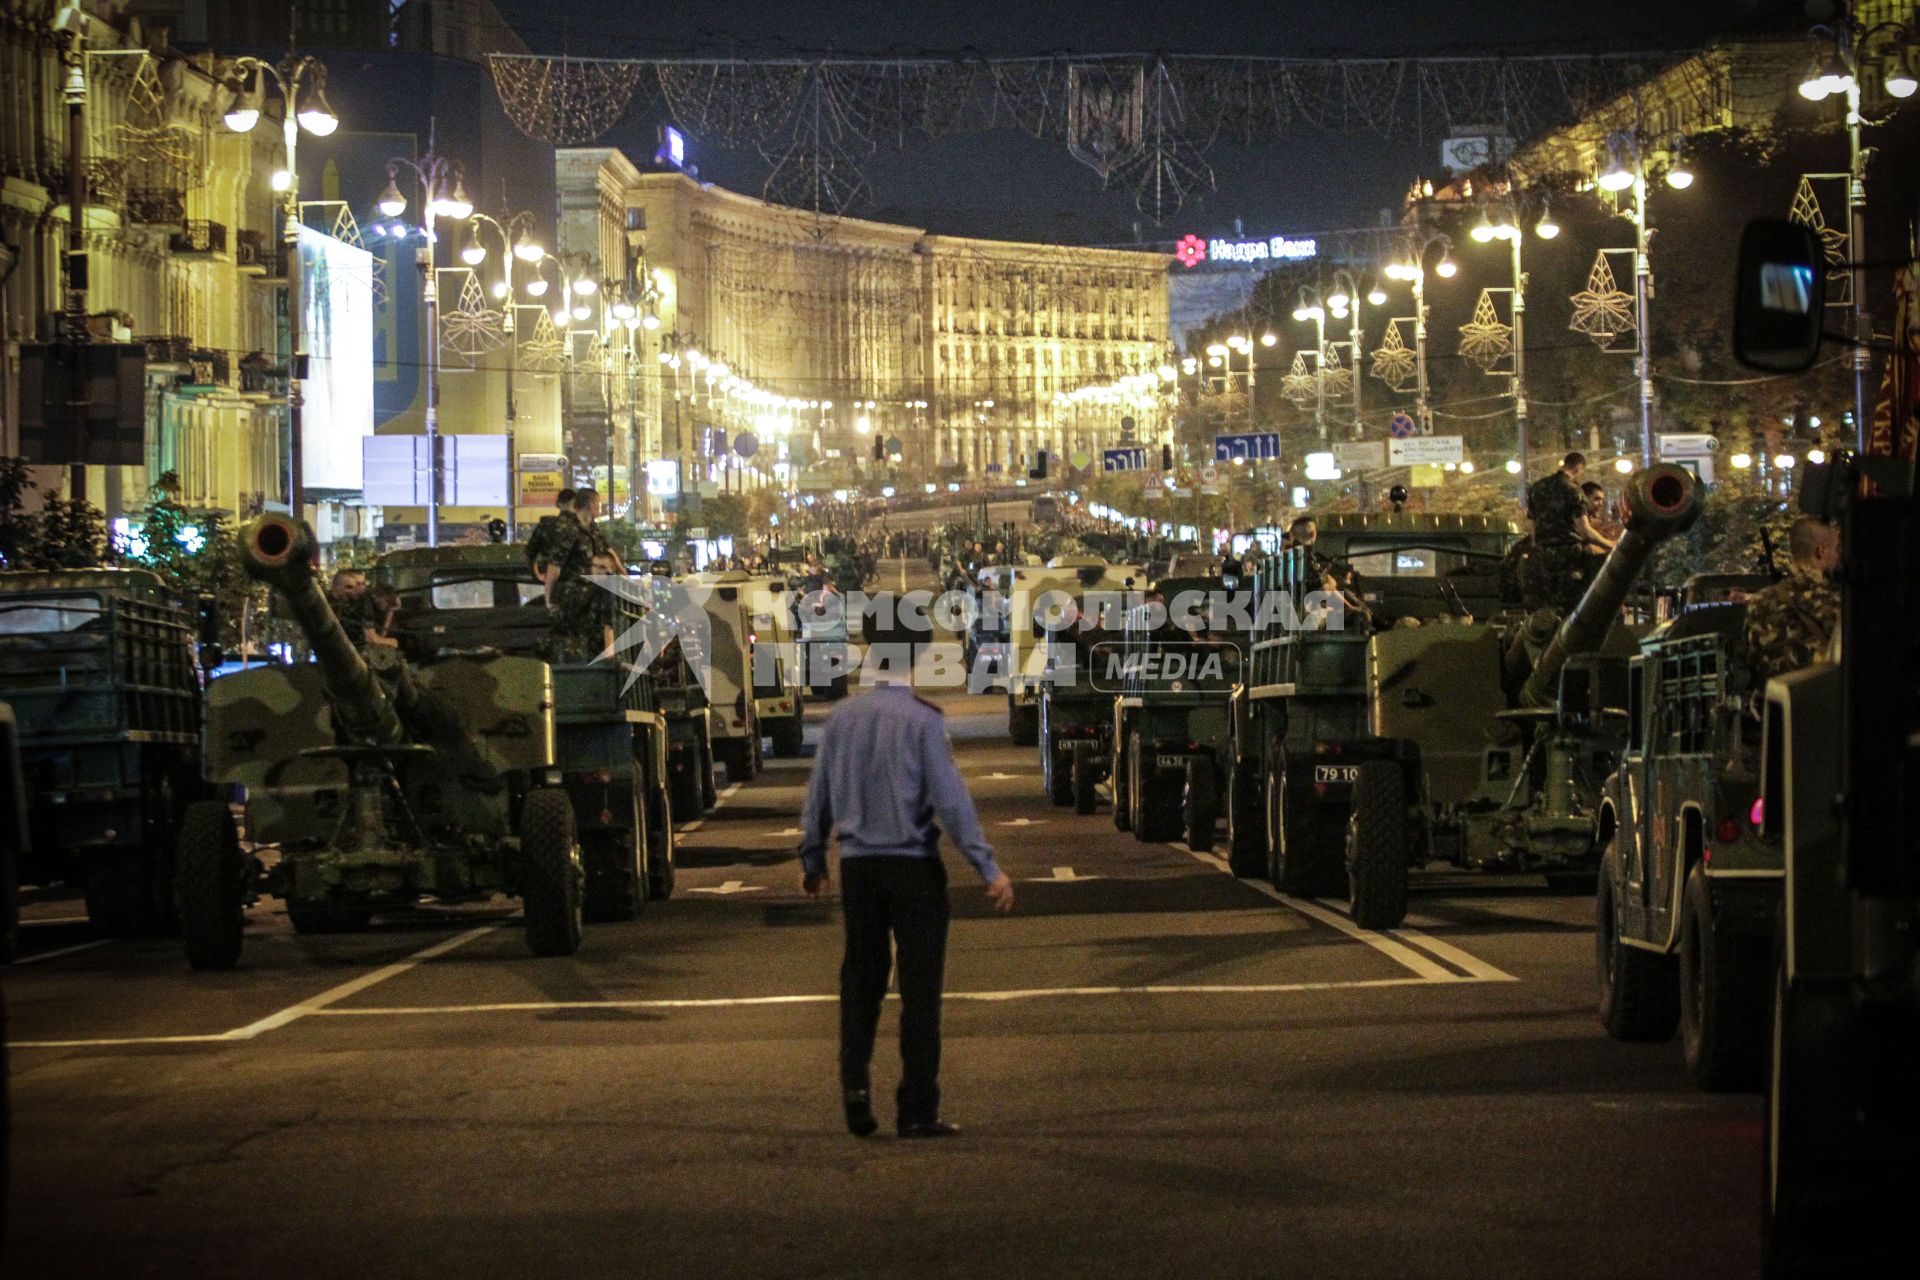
583,618
1562,563
359,613
541,542
1791,622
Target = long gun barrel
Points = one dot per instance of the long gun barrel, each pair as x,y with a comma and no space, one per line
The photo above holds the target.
1662,501
279,552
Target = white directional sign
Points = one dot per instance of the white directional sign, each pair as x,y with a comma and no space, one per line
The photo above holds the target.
732,887
1359,455
1692,444
1424,451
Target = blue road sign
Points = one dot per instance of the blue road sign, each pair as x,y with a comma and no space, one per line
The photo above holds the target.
1129,459
1401,427
1252,446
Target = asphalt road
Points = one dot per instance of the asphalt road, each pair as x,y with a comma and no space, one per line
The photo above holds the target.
1161,1070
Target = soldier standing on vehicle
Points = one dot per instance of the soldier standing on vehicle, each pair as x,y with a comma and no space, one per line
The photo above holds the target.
884,783
1561,535
586,509
1790,623
545,536
359,616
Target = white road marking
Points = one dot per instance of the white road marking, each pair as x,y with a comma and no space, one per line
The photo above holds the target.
1022,822
731,887
726,794
1389,946
28,923
986,997
1061,875
1445,950
788,833
290,1014
63,951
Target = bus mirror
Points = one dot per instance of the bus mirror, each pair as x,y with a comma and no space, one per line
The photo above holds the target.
1779,296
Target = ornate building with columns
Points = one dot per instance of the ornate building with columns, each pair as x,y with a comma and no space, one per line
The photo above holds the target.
863,331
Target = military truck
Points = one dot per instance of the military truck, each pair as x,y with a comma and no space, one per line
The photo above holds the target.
379,784
611,739
1449,726
1182,660
101,670
1076,704
1689,887
1840,772
733,711
1046,599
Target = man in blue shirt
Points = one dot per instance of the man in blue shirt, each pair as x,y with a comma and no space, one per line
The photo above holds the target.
885,784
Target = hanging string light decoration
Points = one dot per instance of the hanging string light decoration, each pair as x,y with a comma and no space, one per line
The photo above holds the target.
1602,310
1146,119
1484,339
1393,359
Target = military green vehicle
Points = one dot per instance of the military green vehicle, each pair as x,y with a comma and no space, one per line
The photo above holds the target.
1040,600
1840,773
1462,730
379,784
1076,705
101,670
733,713
1181,659
15,844
684,706
1689,888
611,738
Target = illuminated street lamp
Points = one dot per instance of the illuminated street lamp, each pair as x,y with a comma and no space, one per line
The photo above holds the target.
524,249
443,195
302,85
1413,270
1309,308
1507,227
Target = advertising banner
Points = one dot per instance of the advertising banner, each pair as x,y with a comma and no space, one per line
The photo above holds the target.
336,322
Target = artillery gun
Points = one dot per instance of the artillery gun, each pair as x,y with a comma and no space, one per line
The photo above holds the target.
380,785
1479,737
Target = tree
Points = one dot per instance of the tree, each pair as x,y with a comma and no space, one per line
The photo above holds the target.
60,535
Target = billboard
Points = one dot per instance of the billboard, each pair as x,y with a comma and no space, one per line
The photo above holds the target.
336,324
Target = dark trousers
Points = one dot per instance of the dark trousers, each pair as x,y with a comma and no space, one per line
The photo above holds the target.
894,904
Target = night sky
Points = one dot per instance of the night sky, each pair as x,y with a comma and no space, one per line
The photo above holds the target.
1007,184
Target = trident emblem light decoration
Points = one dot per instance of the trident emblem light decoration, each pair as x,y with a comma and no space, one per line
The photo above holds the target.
1393,359
1484,339
1807,212
472,328
546,350
1339,378
1602,310
1300,385
1105,115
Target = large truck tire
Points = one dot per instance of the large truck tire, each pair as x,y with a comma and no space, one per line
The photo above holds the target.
1725,985
1060,774
210,886
1119,779
1200,804
550,874
615,885
1086,777
659,862
789,736
1306,844
1377,846
1639,989
1246,823
708,793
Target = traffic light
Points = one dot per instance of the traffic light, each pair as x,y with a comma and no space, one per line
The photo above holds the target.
1166,457
1039,471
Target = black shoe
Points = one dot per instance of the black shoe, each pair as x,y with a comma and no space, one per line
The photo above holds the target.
928,1129
860,1118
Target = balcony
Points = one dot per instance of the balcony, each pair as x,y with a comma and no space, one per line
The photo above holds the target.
208,369
156,206
198,238
168,349
259,254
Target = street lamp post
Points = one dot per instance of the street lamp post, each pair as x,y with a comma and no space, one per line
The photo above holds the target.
1414,271
1836,70
525,248
1627,168
443,195
1345,301
1311,308
1508,229
302,83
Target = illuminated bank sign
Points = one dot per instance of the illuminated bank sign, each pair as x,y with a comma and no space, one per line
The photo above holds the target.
1192,250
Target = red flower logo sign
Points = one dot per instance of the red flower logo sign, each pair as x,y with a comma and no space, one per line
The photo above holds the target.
1191,251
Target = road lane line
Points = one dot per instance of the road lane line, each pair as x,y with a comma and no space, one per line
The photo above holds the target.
1398,952
1472,964
333,995
30,921
726,794
981,997
63,951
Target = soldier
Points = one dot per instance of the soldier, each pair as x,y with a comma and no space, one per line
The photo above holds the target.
541,543
1790,623
586,509
1562,533
583,620
1305,531
359,616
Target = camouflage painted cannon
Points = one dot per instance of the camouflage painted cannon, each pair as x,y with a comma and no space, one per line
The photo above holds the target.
379,783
